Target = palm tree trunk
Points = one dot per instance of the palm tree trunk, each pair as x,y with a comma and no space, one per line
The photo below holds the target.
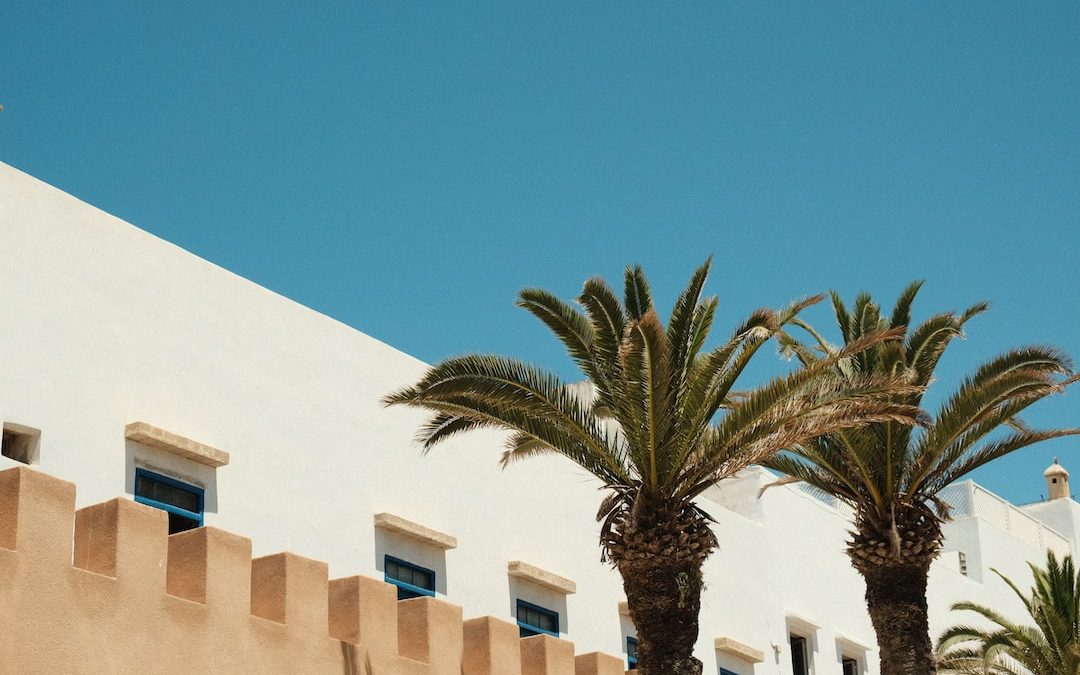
664,597
896,599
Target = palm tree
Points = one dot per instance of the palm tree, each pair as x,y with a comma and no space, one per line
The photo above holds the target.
646,429
1050,647
890,474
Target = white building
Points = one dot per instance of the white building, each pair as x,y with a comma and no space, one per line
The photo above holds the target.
266,415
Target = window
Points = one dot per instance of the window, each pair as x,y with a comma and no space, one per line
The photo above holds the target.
534,620
851,666
799,662
183,502
725,671
20,443
631,653
962,558
412,581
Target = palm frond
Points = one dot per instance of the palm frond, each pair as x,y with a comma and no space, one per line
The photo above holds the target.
498,392
638,297
568,324
1049,647
901,315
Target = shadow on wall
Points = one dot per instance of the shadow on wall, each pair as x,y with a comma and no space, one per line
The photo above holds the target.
139,456
350,658
546,598
411,551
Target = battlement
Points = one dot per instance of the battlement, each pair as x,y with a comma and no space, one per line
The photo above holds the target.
130,598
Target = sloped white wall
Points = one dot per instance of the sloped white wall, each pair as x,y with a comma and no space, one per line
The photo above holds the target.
102,324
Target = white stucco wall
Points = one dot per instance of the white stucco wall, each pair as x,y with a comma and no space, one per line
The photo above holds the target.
102,324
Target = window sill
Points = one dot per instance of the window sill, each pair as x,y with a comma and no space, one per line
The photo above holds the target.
523,570
392,523
147,434
739,650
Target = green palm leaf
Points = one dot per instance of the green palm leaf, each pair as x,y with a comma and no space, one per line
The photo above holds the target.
891,474
658,420
1049,647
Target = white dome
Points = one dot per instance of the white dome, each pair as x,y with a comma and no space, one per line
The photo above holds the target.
1055,469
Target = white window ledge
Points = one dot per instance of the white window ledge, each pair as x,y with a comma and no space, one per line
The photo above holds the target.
148,434
802,623
739,650
392,523
851,644
523,570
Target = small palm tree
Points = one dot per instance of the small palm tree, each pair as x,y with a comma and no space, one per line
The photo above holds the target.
1050,647
647,427
891,474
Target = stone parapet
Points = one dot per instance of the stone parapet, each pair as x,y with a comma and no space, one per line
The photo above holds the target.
129,598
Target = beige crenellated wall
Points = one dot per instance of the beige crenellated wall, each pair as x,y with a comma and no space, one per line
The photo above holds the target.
132,599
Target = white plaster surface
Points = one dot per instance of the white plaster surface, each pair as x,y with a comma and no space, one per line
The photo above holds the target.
102,324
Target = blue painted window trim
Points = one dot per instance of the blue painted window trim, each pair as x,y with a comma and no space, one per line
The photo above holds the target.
186,487
631,653
410,590
527,629
725,671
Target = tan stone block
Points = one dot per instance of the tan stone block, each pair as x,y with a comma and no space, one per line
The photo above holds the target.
196,602
363,611
430,631
546,655
135,534
9,508
595,663
492,647
213,567
290,589
37,514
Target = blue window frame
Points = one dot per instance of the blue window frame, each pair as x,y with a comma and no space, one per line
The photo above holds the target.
725,671
412,581
183,502
534,620
631,653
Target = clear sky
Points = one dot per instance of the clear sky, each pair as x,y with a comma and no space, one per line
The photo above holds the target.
407,167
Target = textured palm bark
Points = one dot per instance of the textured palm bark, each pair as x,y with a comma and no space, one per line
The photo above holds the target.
664,597
893,552
659,554
896,599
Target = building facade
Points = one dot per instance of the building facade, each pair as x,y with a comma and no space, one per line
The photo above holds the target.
135,368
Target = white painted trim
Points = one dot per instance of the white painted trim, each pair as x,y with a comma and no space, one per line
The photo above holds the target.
155,437
392,523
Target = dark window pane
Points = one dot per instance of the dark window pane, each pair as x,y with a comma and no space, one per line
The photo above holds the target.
537,618
182,503
159,491
401,572
798,655
547,622
405,594
178,523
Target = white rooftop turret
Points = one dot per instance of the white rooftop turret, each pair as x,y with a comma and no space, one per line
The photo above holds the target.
1057,481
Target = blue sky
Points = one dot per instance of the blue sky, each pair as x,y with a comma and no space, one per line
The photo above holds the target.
408,167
